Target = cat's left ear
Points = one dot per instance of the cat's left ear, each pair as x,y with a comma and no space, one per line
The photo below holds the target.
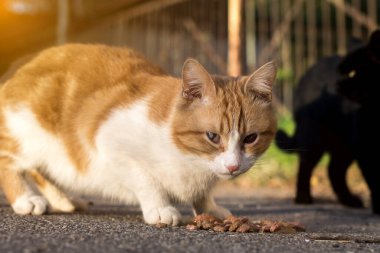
261,81
197,82
374,43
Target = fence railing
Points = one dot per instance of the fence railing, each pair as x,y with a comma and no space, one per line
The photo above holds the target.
295,33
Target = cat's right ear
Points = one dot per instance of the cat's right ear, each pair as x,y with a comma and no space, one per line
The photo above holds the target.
374,43
261,81
196,81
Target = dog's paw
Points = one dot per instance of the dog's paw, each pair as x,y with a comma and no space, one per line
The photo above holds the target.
30,204
168,215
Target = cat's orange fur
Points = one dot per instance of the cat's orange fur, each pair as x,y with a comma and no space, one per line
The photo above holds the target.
73,90
102,87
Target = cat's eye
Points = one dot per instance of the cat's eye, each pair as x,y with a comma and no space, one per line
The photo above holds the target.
215,138
249,139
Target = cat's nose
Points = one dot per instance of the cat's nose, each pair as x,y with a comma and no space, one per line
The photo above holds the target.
232,168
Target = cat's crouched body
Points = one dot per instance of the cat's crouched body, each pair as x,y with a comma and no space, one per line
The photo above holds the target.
103,120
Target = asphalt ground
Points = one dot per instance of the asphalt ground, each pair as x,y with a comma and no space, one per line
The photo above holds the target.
107,227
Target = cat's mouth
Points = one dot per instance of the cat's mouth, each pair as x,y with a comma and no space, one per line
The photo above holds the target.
226,176
243,167
230,171
229,175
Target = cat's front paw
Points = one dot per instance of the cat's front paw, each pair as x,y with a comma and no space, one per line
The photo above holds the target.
168,215
219,211
34,204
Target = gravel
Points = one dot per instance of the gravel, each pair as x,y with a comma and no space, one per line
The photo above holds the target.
114,228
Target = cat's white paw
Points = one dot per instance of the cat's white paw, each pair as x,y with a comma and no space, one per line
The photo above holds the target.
219,211
63,205
30,204
168,215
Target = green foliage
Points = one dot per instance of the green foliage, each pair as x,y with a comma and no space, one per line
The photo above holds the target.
286,123
284,74
277,167
284,160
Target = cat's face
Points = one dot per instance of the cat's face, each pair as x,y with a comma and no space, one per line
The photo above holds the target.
360,72
229,122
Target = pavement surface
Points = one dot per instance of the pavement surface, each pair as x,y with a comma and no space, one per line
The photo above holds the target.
115,228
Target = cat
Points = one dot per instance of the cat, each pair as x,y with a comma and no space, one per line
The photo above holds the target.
336,103
321,116
103,120
360,83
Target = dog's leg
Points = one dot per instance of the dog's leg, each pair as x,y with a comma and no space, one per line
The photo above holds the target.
308,160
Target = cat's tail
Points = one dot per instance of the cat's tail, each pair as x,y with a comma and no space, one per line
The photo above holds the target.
285,142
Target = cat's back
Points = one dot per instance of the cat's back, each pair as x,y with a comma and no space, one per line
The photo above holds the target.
63,96
60,80
94,66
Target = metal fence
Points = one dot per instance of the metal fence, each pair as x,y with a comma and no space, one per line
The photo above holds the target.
296,33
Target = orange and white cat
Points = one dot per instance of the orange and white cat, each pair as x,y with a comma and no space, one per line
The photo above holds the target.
95,119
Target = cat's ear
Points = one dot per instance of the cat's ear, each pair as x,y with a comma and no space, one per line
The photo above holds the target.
260,82
197,82
374,43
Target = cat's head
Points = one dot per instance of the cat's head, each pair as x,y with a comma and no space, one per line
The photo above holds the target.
360,72
228,121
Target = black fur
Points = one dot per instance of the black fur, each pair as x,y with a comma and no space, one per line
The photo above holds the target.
339,123
363,86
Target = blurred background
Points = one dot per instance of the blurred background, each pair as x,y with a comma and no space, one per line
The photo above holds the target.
227,36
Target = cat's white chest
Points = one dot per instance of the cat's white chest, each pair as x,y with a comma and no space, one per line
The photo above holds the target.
137,148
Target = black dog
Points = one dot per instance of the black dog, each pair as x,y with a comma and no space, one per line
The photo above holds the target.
334,122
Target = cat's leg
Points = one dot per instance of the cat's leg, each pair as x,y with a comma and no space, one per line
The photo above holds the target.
307,161
337,169
369,166
58,200
207,205
17,191
155,204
